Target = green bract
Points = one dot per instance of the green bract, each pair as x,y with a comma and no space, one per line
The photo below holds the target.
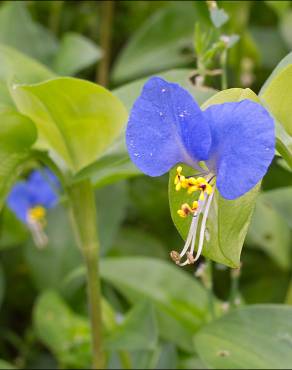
76,119
228,220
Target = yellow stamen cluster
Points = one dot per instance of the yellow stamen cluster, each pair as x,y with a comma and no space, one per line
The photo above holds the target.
186,209
180,180
37,214
192,185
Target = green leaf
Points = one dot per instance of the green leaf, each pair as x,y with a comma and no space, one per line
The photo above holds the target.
159,44
277,97
138,331
18,67
227,223
284,143
218,17
270,232
129,93
17,134
17,29
114,165
65,333
281,65
255,337
167,287
230,95
75,118
75,53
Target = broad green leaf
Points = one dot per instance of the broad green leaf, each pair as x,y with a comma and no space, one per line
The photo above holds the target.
181,301
17,29
129,93
277,97
227,223
17,134
270,232
159,44
281,65
65,333
17,67
138,331
75,118
218,17
75,53
255,337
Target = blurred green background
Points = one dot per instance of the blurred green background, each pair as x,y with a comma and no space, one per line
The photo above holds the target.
43,308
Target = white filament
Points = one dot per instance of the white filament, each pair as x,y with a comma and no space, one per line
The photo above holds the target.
203,226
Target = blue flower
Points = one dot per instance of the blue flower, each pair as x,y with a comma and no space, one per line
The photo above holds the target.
236,142
30,199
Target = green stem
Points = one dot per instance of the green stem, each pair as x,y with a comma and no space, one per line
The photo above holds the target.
82,202
55,16
224,83
209,286
107,12
234,290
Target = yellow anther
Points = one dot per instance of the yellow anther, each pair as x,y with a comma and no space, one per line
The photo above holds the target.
180,180
186,209
37,213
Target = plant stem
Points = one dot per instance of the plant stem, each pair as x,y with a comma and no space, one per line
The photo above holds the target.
224,70
82,202
55,16
209,286
107,12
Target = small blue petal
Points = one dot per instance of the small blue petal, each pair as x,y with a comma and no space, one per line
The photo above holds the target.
243,145
19,200
166,126
42,188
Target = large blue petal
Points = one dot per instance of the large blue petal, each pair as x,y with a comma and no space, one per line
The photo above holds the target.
19,200
243,145
166,126
43,187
